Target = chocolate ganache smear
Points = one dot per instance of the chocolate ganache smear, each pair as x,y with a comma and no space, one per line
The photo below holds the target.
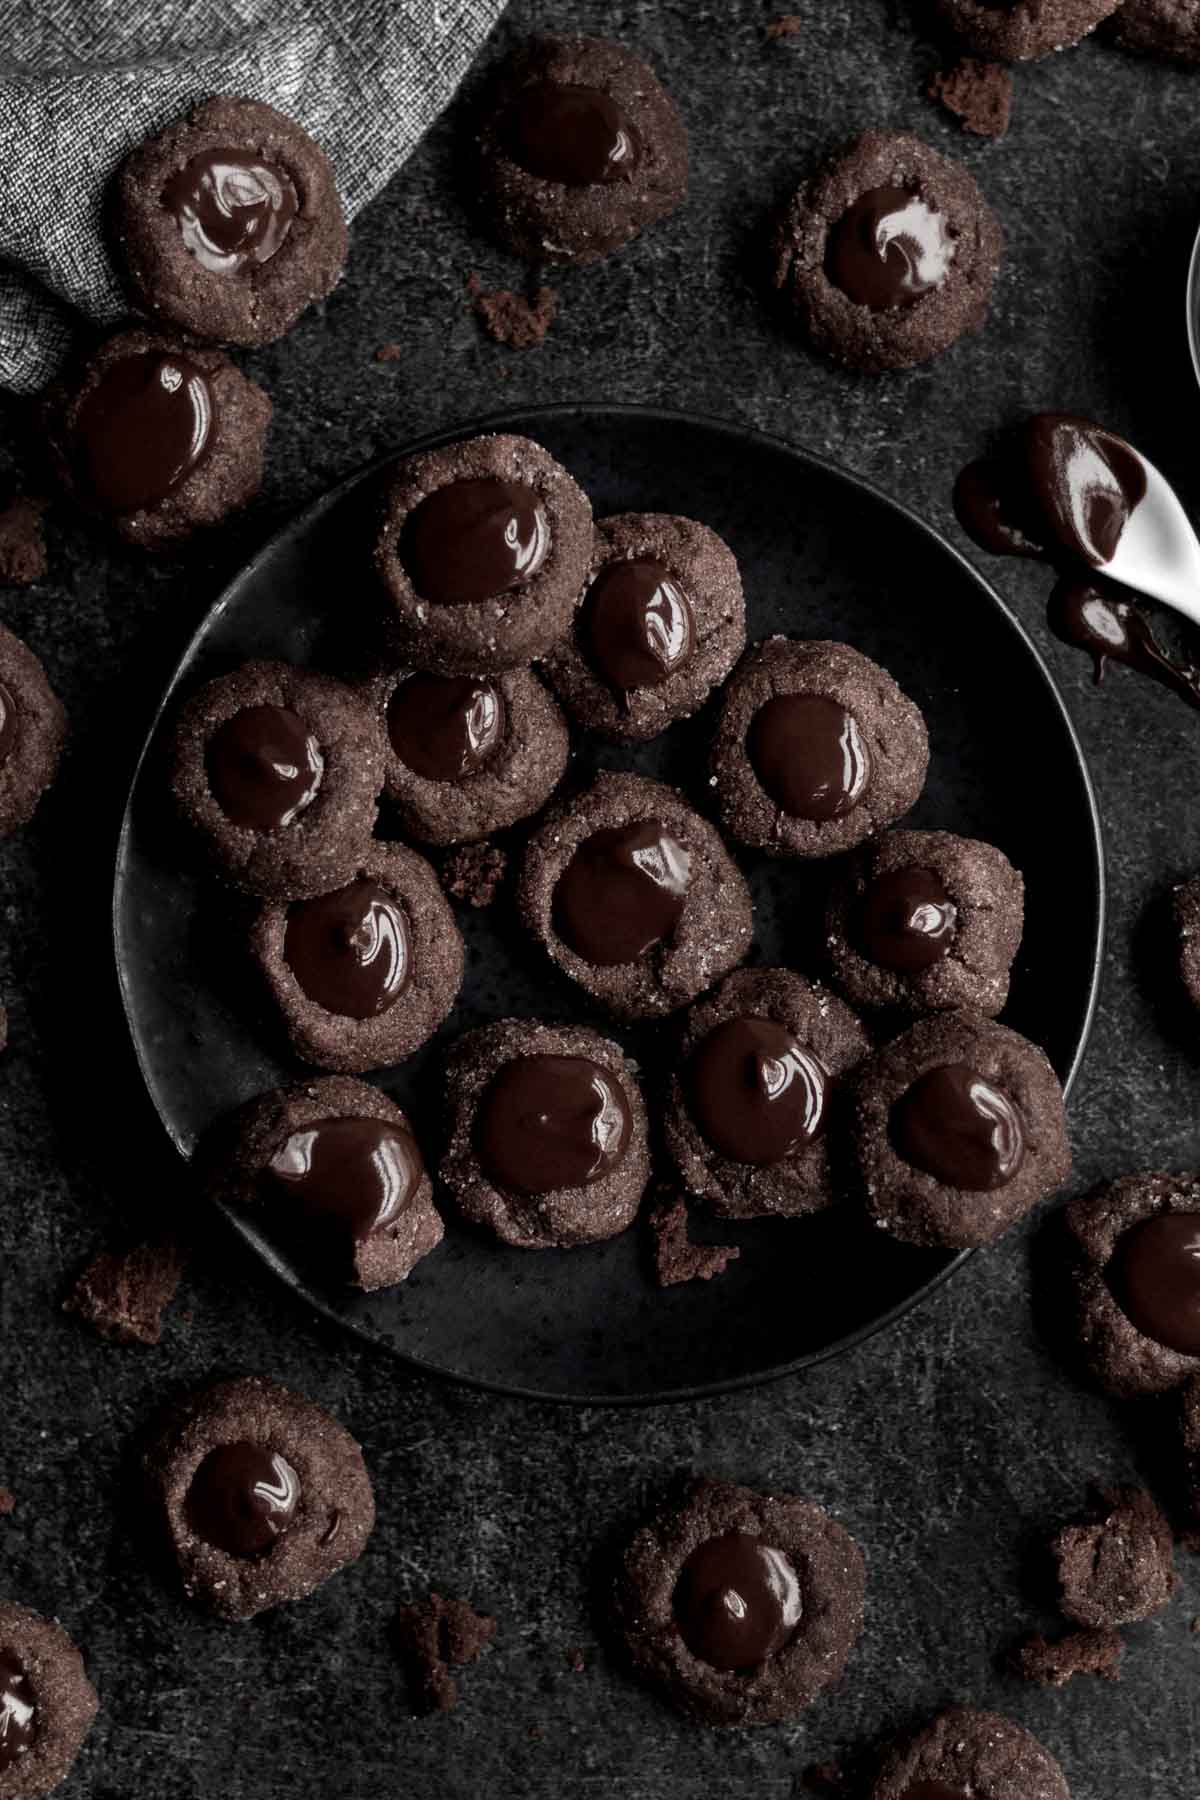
1062,489
1057,486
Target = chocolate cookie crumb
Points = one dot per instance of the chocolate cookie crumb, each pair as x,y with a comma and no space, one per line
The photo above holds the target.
1116,1564
433,1635
389,353
1169,28
8,1502
1020,30
22,542
979,93
474,873
1054,1662
123,1294
789,25
676,1257
511,319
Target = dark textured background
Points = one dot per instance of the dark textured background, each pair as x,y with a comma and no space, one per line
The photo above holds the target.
945,1445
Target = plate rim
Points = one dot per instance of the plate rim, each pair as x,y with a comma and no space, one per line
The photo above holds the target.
735,430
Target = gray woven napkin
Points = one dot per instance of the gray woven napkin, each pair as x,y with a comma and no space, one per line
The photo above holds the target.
82,83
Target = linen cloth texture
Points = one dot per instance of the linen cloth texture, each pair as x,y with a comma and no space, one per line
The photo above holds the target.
83,84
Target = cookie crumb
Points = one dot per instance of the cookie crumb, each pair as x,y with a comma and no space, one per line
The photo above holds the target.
511,319
1116,1563
788,25
124,1294
433,1634
676,1257
978,93
22,542
8,1502
474,872
389,353
576,1660
1053,1664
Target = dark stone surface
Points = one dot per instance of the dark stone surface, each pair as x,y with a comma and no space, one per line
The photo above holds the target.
946,1446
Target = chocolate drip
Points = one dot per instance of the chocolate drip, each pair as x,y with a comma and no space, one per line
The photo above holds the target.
1111,629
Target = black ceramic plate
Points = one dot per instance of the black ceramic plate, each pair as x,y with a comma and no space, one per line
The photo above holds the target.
822,555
